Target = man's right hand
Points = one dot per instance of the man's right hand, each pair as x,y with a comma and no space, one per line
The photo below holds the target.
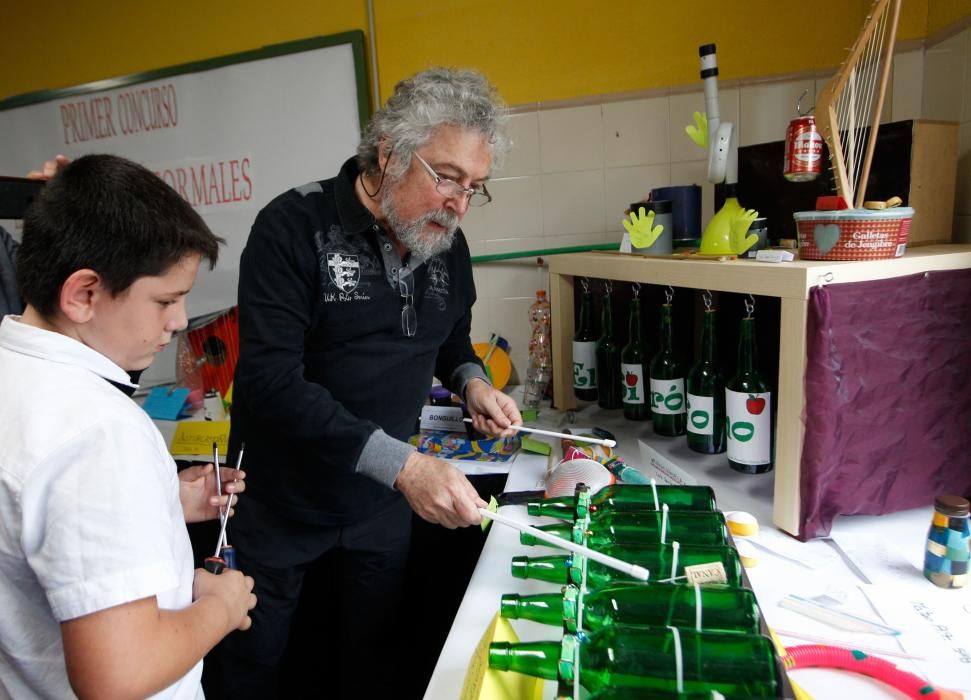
234,589
439,492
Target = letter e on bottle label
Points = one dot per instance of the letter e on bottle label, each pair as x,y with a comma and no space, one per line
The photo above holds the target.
701,411
712,572
749,427
633,382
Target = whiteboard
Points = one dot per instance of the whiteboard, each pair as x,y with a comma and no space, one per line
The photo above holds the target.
229,134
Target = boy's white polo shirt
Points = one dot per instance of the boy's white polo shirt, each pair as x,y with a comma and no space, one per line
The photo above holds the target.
90,516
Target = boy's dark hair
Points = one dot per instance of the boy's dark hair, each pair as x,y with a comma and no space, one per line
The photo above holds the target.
110,215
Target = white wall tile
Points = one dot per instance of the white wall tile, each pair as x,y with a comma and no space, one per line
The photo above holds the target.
683,106
573,202
513,278
767,108
571,139
908,80
515,211
475,223
523,157
944,81
624,186
635,132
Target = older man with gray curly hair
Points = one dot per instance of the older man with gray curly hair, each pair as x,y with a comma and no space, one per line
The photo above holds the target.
355,292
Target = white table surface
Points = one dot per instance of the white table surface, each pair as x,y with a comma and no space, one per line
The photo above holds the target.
773,577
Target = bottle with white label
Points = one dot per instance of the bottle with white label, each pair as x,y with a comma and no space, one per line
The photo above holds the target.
585,350
748,409
667,382
706,395
632,359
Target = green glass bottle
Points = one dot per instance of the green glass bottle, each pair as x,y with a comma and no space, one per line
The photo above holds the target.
667,382
621,497
658,559
610,382
585,351
641,528
735,665
706,395
748,410
716,607
632,359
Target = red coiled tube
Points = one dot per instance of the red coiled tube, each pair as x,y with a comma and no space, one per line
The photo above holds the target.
823,656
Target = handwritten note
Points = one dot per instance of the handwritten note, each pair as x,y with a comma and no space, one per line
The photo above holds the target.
663,470
195,437
934,623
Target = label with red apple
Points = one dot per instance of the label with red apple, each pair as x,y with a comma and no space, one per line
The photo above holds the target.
701,411
633,387
667,396
584,365
749,427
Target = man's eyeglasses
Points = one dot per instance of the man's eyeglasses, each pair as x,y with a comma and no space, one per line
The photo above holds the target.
409,317
450,188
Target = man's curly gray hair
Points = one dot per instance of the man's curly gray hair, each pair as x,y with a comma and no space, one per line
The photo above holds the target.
428,100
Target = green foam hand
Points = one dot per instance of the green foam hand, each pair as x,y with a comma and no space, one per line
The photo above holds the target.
641,228
698,132
741,239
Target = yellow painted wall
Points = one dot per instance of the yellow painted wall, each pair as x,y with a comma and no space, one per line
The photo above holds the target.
534,50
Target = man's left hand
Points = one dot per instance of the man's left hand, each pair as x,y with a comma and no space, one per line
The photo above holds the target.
197,491
492,411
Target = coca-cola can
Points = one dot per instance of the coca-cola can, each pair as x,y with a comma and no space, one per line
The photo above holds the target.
804,150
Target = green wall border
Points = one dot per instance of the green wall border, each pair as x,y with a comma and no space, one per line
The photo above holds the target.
355,38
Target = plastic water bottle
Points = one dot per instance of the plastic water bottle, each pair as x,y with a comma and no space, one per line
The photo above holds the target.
540,367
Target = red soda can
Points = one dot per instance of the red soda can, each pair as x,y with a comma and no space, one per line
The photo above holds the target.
804,150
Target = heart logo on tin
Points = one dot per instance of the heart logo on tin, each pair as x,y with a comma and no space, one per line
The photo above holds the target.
826,236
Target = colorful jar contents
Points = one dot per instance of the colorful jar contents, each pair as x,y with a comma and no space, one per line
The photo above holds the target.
947,554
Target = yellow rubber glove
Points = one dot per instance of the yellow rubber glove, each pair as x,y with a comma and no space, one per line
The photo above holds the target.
698,132
742,240
641,228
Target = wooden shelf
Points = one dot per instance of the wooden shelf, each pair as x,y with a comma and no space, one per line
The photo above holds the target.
790,282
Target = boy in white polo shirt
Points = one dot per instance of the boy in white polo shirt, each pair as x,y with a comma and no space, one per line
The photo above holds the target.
98,593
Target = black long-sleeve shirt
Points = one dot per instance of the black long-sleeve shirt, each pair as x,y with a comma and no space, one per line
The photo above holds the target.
328,386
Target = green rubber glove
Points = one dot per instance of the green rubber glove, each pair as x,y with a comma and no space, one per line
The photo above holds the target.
698,132
741,239
641,228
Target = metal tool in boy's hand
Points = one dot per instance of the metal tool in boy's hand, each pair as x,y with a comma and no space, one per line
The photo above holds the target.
225,555
641,228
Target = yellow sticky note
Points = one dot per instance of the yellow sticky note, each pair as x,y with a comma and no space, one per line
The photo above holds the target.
484,683
195,437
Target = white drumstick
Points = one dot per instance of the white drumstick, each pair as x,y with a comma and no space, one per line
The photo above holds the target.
638,572
550,433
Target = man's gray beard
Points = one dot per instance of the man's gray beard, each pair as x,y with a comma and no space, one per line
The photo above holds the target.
422,244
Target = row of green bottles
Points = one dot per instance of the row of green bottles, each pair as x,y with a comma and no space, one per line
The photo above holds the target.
659,559
713,607
640,528
661,660
628,497
695,404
